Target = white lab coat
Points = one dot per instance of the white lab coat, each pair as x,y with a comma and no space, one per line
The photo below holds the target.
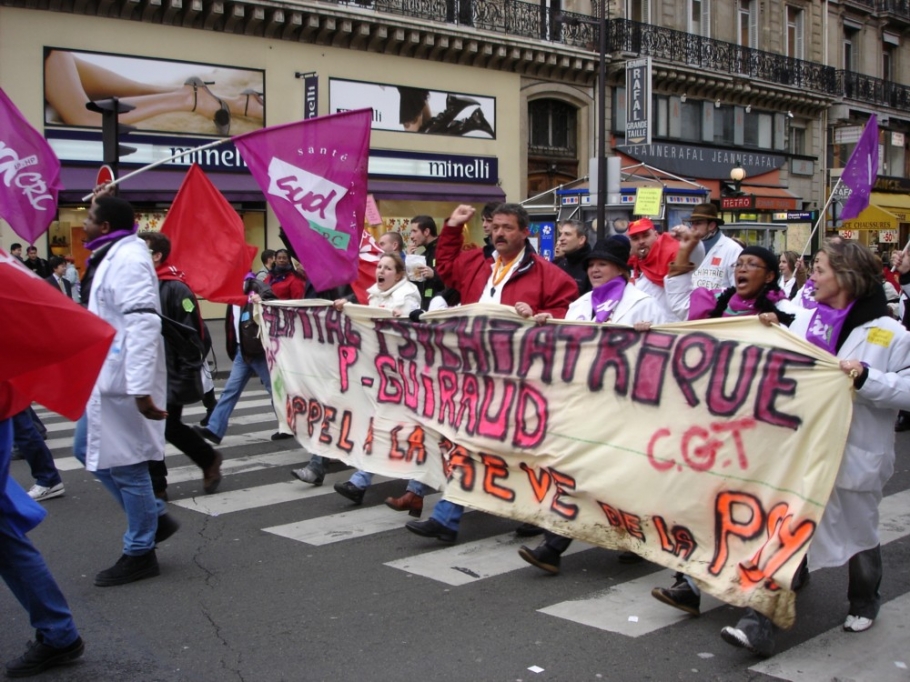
716,270
634,306
118,434
401,298
850,522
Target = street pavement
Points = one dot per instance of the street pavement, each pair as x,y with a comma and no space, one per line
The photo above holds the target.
272,579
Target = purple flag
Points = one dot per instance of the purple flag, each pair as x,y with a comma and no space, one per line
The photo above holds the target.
314,176
861,170
29,174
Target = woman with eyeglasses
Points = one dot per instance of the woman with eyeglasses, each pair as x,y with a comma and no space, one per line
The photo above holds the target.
755,292
851,320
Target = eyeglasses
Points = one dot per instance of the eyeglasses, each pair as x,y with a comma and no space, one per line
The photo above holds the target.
749,265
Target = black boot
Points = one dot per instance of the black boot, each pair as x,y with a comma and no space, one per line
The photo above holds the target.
129,569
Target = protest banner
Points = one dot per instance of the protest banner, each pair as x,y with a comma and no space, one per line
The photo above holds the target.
707,447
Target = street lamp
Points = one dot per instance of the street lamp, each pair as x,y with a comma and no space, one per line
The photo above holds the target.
737,175
601,24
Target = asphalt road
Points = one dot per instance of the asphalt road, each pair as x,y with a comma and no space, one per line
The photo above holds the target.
271,579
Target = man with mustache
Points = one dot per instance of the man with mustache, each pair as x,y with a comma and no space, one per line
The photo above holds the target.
512,275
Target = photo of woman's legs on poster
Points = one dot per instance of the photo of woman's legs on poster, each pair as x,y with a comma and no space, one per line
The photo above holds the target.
71,81
416,116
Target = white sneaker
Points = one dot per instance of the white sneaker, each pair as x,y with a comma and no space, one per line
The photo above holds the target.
40,492
857,624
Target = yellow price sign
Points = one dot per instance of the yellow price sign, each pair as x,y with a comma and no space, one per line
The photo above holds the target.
647,201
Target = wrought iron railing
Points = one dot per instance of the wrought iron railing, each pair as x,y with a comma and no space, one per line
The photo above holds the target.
899,8
719,56
873,90
527,19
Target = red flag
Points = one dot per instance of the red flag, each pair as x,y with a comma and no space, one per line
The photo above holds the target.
208,241
53,354
370,253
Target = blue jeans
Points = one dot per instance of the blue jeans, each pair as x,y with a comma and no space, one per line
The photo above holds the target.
448,514
241,371
24,571
363,479
131,486
34,450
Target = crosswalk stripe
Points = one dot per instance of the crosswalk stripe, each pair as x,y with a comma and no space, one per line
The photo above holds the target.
239,465
878,654
264,495
611,609
472,561
348,525
240,440
628,608
195,411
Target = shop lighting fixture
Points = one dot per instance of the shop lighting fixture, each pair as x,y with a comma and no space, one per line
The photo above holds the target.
748,108
789,114
717,104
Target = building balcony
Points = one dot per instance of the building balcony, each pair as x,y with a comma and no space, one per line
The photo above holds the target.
895,13
862,88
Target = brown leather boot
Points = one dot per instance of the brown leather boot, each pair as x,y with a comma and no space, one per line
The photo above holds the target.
211,475
409,502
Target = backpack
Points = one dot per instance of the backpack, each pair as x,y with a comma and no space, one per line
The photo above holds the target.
189,351
249,342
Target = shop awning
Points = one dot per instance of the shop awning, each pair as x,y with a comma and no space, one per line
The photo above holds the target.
435,191
156,186
897,205
773,198
873,218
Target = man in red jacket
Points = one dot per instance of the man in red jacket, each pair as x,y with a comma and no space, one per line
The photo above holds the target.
512,275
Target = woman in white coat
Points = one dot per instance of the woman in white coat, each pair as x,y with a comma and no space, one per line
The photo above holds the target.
392,291
852,321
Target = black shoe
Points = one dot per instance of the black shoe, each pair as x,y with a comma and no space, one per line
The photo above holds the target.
205,419
629,558
39,657
528,530
431,528
129,569
281,436
208,435
167,526
310,475
680,596
903,421
543,557
350,491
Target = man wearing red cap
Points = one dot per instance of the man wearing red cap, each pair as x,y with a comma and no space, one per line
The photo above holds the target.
652,254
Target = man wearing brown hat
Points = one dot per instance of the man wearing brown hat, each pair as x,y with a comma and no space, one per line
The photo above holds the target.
652,254
721,252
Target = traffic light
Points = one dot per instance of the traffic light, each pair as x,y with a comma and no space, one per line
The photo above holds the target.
111,129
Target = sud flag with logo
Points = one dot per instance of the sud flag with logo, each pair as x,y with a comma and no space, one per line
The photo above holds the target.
314,176
29,174
861,170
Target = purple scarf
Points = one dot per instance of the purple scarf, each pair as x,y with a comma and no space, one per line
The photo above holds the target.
98,242
606,297
826,325
807,297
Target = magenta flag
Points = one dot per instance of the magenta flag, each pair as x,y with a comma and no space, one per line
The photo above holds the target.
861,170
29,174
314,176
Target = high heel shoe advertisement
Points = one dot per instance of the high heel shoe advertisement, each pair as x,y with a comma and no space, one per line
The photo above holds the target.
410,109
165,96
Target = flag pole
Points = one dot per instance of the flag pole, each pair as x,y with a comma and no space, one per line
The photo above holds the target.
821,216
117,181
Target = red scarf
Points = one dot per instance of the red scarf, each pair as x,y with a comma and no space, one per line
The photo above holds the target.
656,264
